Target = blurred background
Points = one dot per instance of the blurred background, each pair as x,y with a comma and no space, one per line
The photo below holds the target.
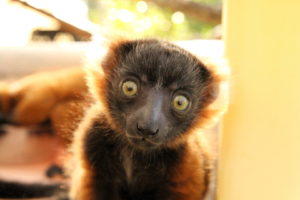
260,144
25,21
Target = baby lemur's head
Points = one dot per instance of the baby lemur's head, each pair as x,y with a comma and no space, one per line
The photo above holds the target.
154,91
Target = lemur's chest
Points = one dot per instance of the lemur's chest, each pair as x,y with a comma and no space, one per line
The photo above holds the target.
128,167
142,170
131,174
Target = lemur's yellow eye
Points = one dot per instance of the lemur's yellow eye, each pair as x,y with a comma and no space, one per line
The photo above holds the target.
129,88
180,102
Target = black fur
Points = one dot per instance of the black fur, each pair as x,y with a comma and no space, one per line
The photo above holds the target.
54,170
22,190
5,119
126,165
2,131
151,170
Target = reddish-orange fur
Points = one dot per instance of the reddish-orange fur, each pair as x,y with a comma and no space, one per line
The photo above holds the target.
57,95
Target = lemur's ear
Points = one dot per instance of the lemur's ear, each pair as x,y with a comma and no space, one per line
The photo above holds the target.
204,73
117,51
126,47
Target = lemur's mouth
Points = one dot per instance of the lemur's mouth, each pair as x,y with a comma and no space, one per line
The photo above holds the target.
141,141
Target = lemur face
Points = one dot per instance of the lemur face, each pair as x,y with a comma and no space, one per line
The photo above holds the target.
156,91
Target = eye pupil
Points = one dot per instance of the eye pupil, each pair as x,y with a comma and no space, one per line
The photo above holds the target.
179,103
129,89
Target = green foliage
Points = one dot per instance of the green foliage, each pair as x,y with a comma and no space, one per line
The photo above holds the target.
142,19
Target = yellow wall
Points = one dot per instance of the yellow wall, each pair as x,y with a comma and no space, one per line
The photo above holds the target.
260,151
